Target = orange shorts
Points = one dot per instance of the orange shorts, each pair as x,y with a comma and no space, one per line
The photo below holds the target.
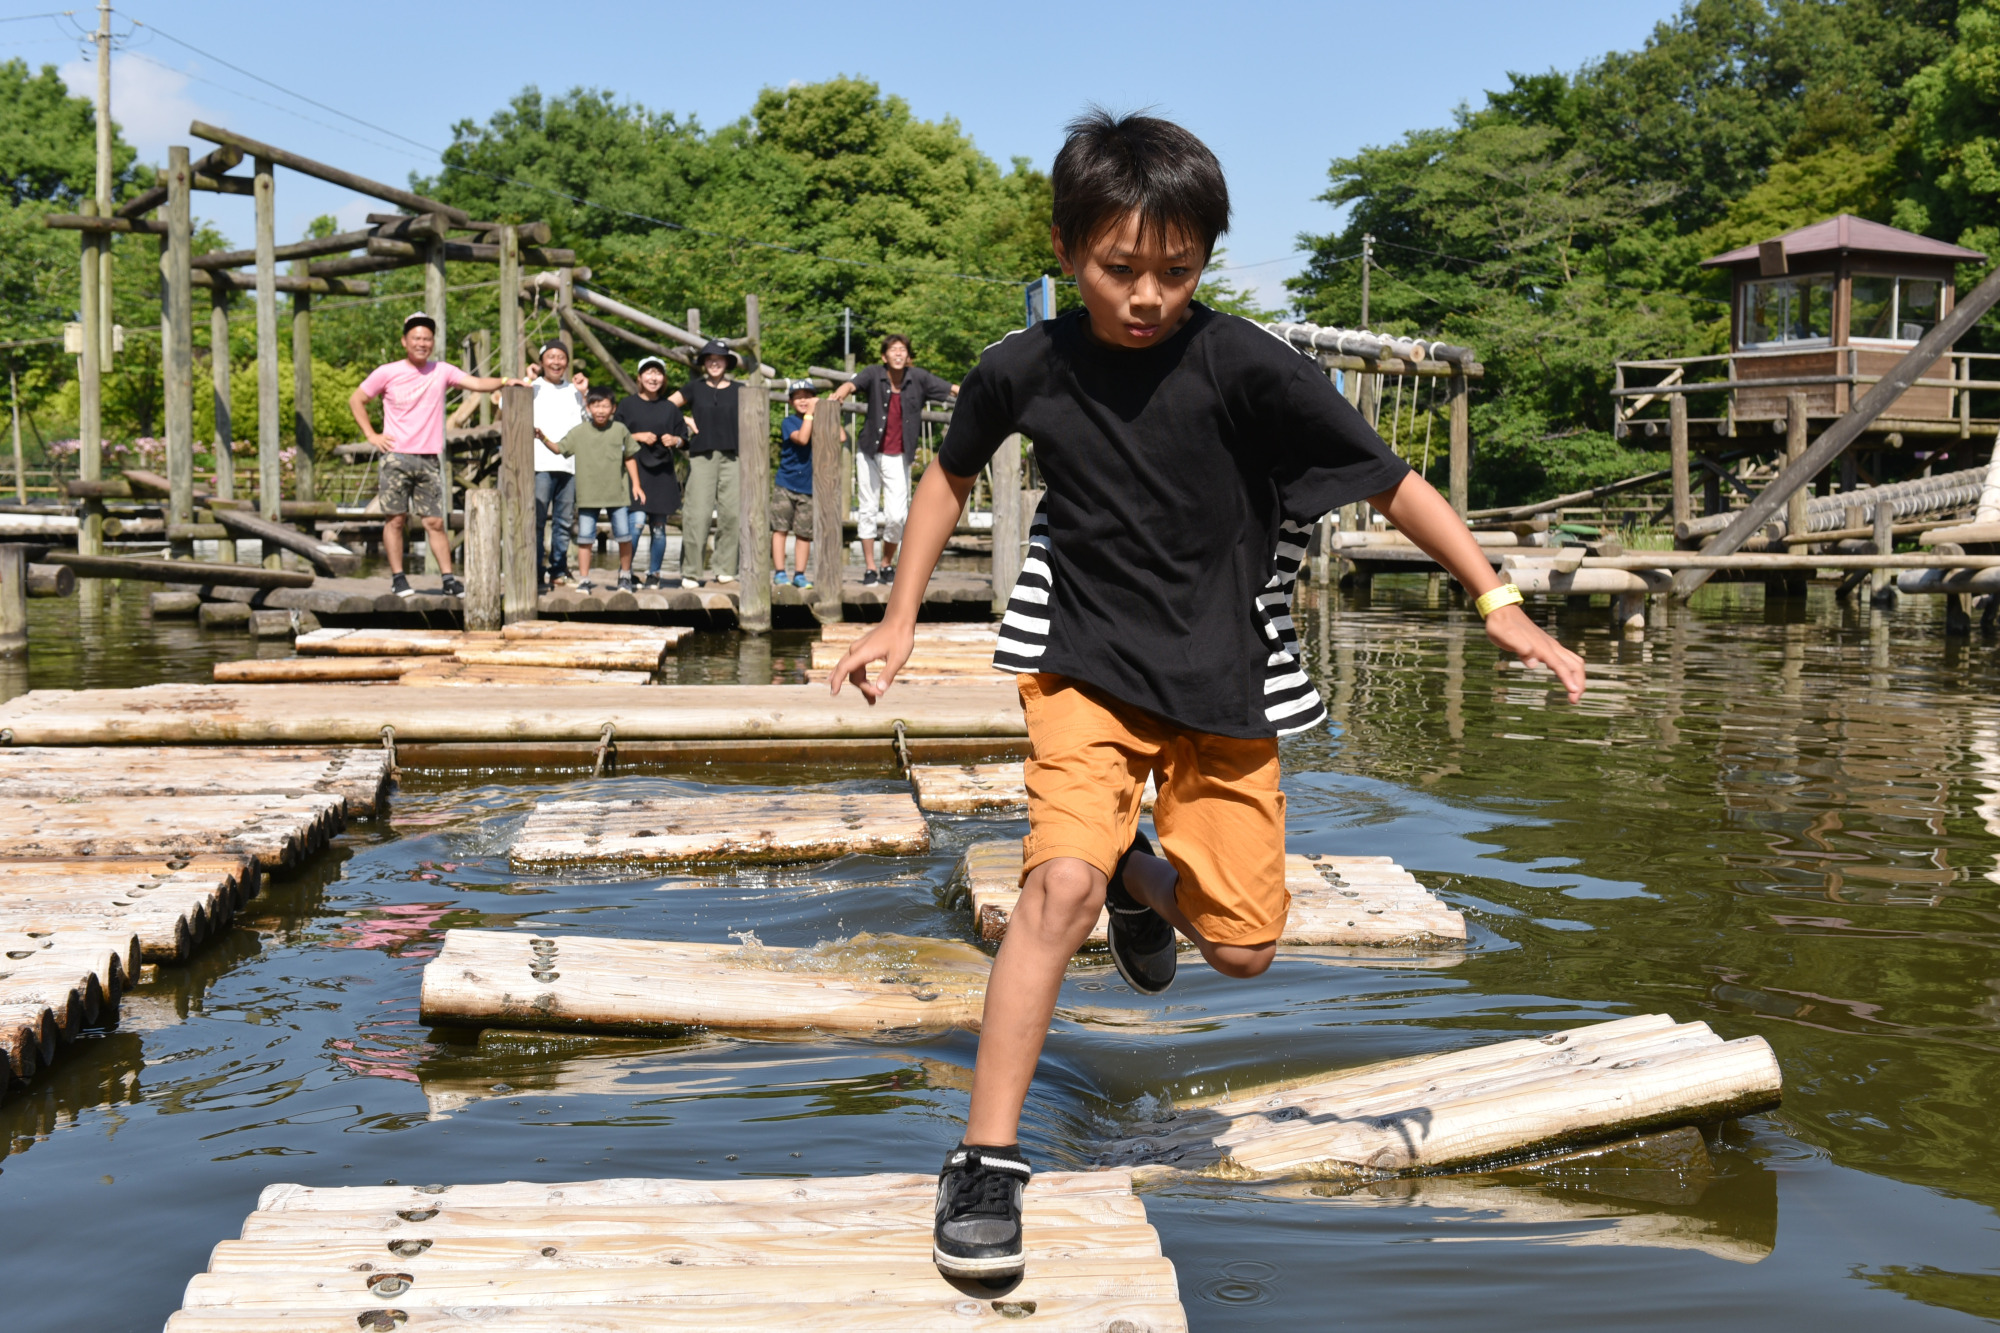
1220,815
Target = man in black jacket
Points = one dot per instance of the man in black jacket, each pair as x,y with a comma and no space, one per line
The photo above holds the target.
897,392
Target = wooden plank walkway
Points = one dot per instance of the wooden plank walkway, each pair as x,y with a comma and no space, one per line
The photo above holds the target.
963,789
1360,900
360,778
762,827
53,987
170,905
274,830
339,713
869,984
842,1254
1510,1099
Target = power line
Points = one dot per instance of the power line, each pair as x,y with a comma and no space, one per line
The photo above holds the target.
49,14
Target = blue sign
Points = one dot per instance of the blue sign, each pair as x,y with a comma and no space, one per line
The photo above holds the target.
1041,300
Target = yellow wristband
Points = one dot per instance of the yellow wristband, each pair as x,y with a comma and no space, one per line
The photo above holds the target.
1504,595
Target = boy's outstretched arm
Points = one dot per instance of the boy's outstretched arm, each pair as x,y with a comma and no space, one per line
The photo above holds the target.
934,513
1427,519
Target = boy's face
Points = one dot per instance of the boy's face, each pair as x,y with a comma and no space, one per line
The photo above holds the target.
803,403
1136,289
600,411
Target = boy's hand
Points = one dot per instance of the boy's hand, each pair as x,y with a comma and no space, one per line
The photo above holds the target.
1510,628
886,643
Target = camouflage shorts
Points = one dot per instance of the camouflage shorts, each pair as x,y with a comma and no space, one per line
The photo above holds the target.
409,485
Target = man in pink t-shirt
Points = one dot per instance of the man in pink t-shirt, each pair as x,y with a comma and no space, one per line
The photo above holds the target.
412,436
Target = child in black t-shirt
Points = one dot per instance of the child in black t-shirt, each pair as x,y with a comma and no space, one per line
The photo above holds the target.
1186,454
660,429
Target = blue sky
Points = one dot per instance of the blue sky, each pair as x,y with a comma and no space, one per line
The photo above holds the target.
1278,89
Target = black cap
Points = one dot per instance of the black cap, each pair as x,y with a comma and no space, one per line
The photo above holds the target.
714,347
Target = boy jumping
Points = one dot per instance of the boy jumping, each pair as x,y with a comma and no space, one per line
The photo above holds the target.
1186,455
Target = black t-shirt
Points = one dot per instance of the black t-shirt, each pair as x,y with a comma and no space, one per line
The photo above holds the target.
714,411
656,461
1182,483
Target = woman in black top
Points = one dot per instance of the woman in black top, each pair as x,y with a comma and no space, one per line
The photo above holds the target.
660,429
711,399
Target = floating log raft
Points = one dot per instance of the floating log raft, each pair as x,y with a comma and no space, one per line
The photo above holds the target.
57,986
867,984
1512,1099
1362,900
356,713
453,671
761,827
169,905
360,778
427,670
840,1254
274,830
963,789
624,648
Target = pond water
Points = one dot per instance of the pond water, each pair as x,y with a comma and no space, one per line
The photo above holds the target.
1781,820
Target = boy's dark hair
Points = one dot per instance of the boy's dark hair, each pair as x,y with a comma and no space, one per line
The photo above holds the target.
1110,166
892,340
602,392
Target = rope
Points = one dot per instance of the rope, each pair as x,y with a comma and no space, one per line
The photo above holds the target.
902,744
389,746
607,751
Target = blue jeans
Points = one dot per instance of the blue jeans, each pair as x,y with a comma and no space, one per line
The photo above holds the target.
656,549
623,528
554,491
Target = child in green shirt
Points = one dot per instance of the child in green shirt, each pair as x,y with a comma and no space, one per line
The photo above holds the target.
607,477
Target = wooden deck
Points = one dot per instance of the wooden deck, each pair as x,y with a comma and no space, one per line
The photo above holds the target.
842,1254
351,713
868,984
170,905
1487,1103
749,827
1359,900
360,778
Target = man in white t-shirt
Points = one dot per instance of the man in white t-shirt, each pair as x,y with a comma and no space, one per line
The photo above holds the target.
558,411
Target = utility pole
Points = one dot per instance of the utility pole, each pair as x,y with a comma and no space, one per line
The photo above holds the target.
104,209
1367,263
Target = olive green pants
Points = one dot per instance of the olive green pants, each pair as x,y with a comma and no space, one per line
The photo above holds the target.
711,488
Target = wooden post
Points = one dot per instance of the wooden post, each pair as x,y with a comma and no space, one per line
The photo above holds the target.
513,356
90,390
13,601
694,321
177,341
224,443
517,497
829,554
1882,582
434,307
305,485
270,485
1460,445
753,487
484,600
1677,458
14,416
1007,524
482,355
1795,448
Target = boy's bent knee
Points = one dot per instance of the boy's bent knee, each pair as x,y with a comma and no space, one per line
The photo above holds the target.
1242,960
1063,891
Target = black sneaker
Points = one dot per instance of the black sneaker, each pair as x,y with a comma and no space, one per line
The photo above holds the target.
1142,943
888,573
652,582
978,1229
449,586
585,585
625,583
869,578
401,586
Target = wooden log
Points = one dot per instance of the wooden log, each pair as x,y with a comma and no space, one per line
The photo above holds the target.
769,827
635,654
356,714
51,581
359,777
317,283
1009,525
753,473
168,909
15,526
90,222
272,625
304,483
222,184
173,176
291,670
177,336
460,252
382,642
174,604
151,570
13,601
1351,900
1682,506
1581,1085
1458,401
681,355
536,630
450,671
328,558
968,632
519,561
829,554
483,604
963,789
870,983
310,248
276,830
333,175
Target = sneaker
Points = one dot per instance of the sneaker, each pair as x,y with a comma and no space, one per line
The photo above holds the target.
652,581
1142,943
799,580
780,579
560,578
625,583
585,585
401,586
449,586
888,573
725,578
869,578
977,1233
